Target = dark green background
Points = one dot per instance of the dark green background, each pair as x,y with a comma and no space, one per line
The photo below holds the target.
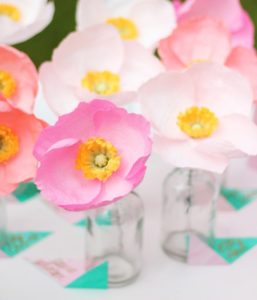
40,47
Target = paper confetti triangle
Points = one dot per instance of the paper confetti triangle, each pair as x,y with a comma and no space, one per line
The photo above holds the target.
238,198
201,254
82,223
20,241
232,249
25,191
104,219
95,278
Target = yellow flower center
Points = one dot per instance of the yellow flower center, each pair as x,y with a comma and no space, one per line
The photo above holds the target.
103,83
127,28
9,144
7,84
97,159
10,11
197,122
197,61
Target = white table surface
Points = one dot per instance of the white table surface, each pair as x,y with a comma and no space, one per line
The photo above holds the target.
161,279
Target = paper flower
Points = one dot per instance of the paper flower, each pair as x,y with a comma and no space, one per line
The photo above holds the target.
204,39
18,134
18,78
92,156
230,12
146,21
22,19
201,116
96,63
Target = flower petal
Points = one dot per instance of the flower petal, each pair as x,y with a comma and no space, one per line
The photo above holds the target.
183,154
23,166
59,96
6,188
97,48
220,89
228,11
244,60
235,136
26,32
129,133
172,93
72,191
199,39
76,125
139,66
155,20
90,12
245,35
22,69
113,189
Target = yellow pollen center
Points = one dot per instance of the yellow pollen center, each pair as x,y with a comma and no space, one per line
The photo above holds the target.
10,11
97,159
127,28
7,84
102,83
197,122
9,144
197,61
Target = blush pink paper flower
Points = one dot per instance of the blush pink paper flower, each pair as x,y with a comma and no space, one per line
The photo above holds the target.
18,134
202,116
96,63
204,39
92,156
22,19
18,78
146,21
230,12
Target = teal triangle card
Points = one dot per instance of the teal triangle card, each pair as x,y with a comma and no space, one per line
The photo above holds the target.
238,198
104,219
82,223
17,242
26,191
95,278
232,249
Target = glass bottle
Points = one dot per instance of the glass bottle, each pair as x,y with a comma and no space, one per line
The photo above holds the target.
114,235
189,208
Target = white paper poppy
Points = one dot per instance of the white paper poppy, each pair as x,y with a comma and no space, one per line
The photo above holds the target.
147,21
22,19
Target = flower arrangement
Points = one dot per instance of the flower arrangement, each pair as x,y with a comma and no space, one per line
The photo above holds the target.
189,65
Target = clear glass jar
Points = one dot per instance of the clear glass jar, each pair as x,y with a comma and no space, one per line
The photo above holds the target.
114,233
189,207
3,218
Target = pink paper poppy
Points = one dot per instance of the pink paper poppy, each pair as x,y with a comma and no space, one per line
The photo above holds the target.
146,21
18,134
96,63
204,39
203,118
230,12
18,78
92,156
